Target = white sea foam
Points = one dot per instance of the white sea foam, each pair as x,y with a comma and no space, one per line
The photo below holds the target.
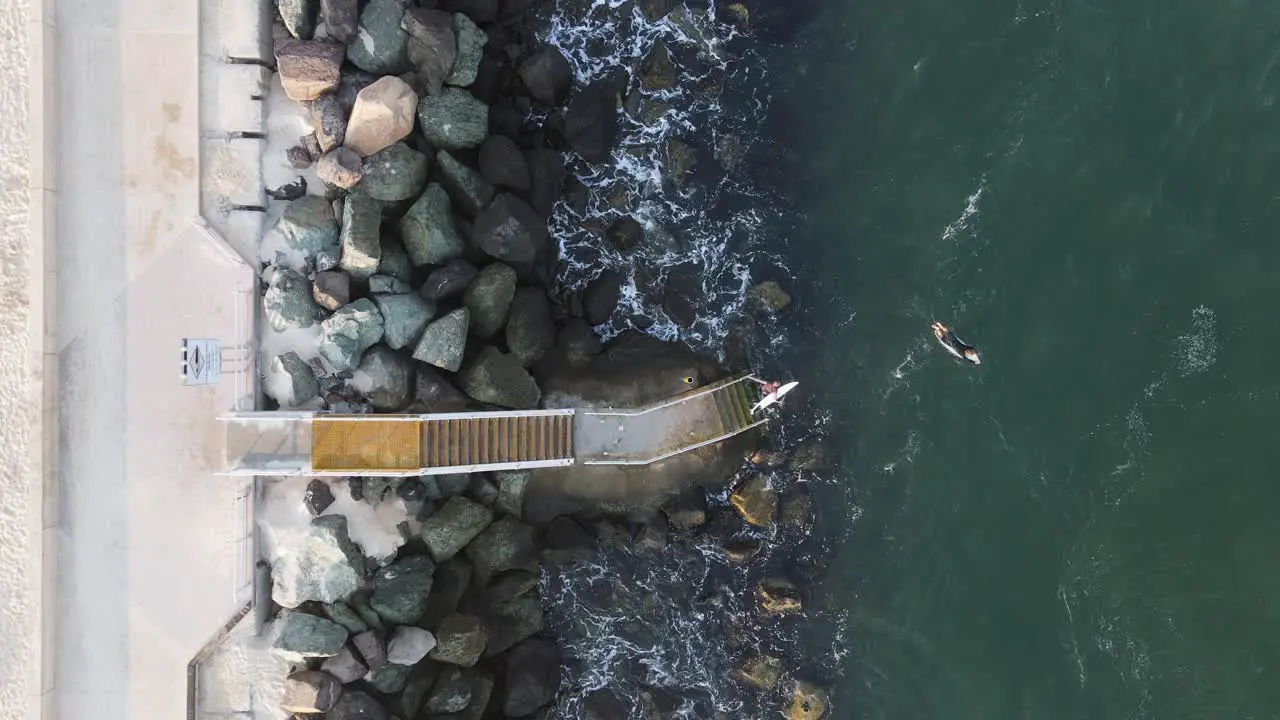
962,225
1197,351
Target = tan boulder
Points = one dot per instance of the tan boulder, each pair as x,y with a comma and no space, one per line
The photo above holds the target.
778,596
808,702
308,68
755,502
383,115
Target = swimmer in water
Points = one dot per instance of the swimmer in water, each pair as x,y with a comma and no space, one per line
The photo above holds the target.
955,345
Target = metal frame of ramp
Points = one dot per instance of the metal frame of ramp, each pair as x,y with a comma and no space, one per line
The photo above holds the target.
321,444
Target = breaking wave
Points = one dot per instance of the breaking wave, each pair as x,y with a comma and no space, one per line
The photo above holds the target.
676,169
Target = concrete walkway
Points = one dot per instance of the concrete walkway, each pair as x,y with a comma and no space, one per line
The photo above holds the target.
147,559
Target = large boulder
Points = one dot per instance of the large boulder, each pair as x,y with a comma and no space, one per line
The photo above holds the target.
808,702
471,41
299,17
531,333
533,677
508,623
325,566
395,261
509,230
444,341
755,501
370,645
759,671
357,706
428,230
394,173
432,46
499,379
591,123
361,239
342,18
310,691
511,485
507,544
448,281
345,666
299,635
330,120
383,115
400,590
601,296
340,167
308,68
416,690
625,234
546,178
385,377
409,644
350,331
602,704
547,74
403,318
380,45
451,527
656,71
460,640
502,163
768,296
467,187
451,694
489,299
292,381
389,679
434,394
778,596
305,229
287,302
566,541
331,290
453,120
453,578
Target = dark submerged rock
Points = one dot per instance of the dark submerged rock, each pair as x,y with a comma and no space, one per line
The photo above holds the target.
601,297
547,75
503,163
530,331
533,676
591,123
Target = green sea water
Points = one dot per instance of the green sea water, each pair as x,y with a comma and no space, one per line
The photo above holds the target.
1089,191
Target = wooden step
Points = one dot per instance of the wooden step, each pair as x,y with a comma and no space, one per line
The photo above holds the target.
488,440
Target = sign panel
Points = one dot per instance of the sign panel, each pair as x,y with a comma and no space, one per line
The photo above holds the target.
201,361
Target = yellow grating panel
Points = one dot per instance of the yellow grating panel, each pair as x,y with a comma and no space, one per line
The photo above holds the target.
351,443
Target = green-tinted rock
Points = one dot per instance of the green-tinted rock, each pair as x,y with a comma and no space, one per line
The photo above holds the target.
403,318
489,299
471,41
306,226
300,635
390,678
342,614
361,240
395,261
466,186
453,120
444,341
326,566
460,640
400,590
450,528
452,692
428,231
350,331
396,172
288,303
379,46
497,378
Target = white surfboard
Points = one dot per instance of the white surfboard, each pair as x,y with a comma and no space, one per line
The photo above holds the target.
774,397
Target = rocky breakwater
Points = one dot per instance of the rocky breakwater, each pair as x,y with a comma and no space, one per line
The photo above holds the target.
417,277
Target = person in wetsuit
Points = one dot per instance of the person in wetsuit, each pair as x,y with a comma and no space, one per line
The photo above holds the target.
958,347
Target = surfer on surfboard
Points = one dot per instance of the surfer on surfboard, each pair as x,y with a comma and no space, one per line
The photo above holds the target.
773,392
955,345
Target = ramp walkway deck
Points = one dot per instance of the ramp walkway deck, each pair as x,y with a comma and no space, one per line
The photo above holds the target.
308,443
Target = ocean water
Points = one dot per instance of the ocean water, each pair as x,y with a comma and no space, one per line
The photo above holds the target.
1089,191
1084,526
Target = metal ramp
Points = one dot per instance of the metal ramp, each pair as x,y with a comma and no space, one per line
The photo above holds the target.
302,443
670,427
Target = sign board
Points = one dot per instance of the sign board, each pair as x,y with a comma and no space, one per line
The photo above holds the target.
201,361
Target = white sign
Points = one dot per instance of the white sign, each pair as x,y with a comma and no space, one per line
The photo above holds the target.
201,361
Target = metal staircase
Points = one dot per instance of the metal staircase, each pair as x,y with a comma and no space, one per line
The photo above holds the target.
496,439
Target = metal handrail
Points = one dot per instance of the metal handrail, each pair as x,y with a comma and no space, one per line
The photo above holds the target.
678,399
